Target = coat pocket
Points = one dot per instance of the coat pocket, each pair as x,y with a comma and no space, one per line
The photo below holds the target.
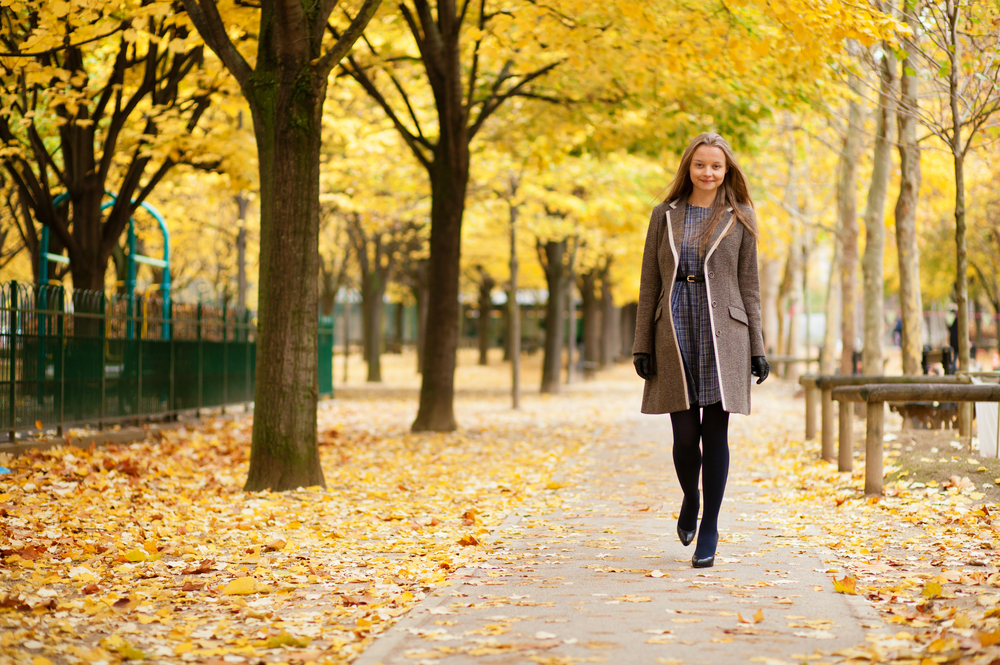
739,315
659,313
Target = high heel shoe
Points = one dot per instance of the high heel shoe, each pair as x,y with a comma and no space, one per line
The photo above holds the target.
687,537
706,562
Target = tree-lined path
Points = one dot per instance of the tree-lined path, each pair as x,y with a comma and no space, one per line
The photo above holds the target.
604,576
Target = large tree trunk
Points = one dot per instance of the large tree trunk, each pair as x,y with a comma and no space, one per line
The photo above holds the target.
570,323
555,278
449,180
591,321
910,304
873,261
486,285
609,321
284,454
847,224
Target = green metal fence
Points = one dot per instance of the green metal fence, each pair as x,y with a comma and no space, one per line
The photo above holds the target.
72,358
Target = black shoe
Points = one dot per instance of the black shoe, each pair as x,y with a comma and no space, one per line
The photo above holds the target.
707,562
687,537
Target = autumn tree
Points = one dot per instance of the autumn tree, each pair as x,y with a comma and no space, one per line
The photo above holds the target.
442,69
98,97
960,55
285,88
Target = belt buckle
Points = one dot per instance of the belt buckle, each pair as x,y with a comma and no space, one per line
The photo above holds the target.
690,278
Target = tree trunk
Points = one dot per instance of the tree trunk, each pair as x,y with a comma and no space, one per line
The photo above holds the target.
284,453
847,223
372,313
769,285
449,181
514,317
328,292
591,322
910,304
873,267
555,278
628,316
828,360
421,295
570,323
241,255
795,339
486,285
609,321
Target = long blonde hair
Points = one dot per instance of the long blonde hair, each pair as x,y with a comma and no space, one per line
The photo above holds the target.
734,191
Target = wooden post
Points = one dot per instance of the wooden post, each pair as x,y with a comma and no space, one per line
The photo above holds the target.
811,411
826,417
845,456
873,448
965,419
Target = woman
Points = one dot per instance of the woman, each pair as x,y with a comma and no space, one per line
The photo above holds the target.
699,267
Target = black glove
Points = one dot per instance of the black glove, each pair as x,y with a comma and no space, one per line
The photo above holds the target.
759,368
643,365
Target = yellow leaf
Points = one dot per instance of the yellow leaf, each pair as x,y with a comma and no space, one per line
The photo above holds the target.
38,424
846,585
758,616
283,639
931,590
136,556
40,660
183,648
241,586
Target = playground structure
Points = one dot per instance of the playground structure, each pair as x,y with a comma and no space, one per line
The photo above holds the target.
132,259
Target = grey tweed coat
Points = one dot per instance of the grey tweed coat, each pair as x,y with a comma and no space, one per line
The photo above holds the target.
733,289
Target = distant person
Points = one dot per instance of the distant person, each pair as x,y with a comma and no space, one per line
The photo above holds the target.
698,334
897,332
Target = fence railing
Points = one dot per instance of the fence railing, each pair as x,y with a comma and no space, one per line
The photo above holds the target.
75,357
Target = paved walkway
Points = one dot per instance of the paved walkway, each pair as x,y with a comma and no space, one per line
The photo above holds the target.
606,580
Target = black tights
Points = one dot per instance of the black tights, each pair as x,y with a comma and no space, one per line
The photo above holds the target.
711,459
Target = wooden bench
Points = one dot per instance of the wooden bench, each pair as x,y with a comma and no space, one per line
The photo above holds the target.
826,383
875,395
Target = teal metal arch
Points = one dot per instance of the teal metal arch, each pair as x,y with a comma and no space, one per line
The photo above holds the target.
133,258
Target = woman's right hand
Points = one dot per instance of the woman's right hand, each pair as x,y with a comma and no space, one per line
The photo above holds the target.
643,365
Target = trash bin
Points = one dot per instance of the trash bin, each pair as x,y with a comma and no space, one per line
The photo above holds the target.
988,417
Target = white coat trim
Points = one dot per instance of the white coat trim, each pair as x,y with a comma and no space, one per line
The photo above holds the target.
711,314
670,305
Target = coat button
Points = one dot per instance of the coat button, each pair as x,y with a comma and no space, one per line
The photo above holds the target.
718,333
711,274
713,303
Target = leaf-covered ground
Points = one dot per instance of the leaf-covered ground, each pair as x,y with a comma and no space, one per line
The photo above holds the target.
154,551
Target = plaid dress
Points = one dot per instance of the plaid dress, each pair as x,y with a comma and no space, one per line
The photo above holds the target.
691,316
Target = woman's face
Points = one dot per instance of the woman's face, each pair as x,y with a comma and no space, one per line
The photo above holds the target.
708,168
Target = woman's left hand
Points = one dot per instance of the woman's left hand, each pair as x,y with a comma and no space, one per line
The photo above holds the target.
759,368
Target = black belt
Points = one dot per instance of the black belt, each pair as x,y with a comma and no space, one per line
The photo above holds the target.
681,277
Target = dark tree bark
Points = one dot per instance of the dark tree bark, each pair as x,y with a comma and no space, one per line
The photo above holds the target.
587,283
486,286
609,320
285,90
552,256
628,317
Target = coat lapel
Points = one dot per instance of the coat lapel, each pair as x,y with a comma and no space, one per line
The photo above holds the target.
678,210
723,227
